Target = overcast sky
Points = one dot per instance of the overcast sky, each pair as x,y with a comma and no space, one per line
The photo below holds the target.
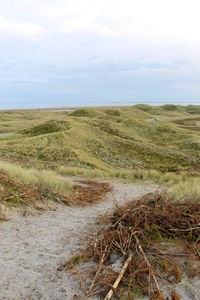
98,52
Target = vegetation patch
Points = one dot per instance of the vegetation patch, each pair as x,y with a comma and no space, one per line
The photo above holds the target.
15,193
101,144
47,127
28,186
143,107
169,107
193,109
112,112
80,113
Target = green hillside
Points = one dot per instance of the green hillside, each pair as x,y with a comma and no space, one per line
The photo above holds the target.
140,142
105,139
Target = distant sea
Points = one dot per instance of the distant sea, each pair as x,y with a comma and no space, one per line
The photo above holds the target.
68,104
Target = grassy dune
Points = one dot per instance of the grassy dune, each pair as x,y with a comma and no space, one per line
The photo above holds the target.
119,142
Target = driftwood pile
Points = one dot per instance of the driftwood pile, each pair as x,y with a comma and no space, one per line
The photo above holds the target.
138,240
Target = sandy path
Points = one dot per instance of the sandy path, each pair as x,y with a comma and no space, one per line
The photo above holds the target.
31,248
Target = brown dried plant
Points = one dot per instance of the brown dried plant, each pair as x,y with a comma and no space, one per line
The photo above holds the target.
133,238
86,193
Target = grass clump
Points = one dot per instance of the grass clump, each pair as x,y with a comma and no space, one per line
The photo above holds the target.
186,189
113,112
169,107
33,185
14,193
193,109
80,171
47,127
87,113
143,107
45,180
80,113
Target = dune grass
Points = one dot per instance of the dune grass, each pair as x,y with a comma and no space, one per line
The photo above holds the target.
43,179
129,175
104,143
186,190
179,186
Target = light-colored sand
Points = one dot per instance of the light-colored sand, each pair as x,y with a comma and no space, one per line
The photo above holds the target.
32,247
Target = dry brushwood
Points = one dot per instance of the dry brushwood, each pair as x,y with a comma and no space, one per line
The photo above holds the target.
12,192
82,195
89,192
119,278
133,237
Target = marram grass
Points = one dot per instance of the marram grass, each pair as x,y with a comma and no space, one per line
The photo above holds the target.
45,179
142,142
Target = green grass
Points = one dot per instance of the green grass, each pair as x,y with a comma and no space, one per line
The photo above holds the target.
186,189
13,121
43,179
107,142
47,127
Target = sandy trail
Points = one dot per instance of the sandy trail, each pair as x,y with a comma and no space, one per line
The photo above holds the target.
31,248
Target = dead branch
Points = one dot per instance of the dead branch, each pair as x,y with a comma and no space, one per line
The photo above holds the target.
119,278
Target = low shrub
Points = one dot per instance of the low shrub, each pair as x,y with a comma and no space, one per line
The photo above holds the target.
47,127
80,113
169,107
112,112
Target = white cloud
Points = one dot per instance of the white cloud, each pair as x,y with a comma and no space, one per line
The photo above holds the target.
22,29
86,42
173,20
155,19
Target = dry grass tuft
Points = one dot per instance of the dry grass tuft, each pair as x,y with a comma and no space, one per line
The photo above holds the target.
134,241
14,193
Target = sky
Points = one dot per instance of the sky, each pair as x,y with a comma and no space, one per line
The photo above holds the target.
62,53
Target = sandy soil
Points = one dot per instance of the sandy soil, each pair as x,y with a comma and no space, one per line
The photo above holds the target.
32,247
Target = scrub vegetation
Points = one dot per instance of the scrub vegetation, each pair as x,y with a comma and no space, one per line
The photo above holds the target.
141,142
